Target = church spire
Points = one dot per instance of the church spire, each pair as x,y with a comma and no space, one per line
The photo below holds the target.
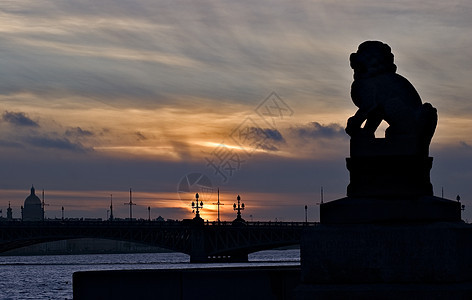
9,212
111,207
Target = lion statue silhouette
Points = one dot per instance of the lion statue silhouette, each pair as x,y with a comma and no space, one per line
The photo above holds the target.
382,94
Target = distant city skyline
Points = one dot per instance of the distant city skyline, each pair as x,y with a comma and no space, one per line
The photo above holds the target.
98,97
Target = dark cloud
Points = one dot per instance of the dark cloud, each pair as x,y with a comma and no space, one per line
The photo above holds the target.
259,134
274,134
252,137
54,143
19,119
140,136
265,139
465,145
10,144
315,130
78,132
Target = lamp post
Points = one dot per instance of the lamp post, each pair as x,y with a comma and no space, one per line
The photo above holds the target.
238,208
306,214
111,208
218,204
130,203
197,206
149,213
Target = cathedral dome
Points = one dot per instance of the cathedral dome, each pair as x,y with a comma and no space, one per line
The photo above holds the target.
32,199
33,210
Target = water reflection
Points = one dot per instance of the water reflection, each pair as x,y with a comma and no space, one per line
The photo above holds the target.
50,277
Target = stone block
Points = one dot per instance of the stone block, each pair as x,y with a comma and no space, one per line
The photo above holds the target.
389,176
392,291
436,253
364,210
188,284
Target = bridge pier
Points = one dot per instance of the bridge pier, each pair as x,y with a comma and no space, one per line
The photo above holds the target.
234,257
197,242
199,254
239,257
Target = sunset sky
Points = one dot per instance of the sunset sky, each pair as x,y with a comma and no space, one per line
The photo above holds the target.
100,96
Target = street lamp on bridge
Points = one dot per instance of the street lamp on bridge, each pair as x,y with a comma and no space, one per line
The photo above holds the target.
238,208
130,203
218,204
306,213
197,206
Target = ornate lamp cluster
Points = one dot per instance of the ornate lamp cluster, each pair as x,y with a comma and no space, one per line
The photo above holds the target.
197,206
239,208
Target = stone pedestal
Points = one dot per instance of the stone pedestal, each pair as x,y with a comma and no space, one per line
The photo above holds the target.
389,176
426,253
390,238
389,183
395,210
388,168
420,261
384,291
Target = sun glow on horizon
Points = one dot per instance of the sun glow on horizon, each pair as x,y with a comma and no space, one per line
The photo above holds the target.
169,205
166,151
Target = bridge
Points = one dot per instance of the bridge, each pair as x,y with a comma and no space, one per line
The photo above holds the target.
203,241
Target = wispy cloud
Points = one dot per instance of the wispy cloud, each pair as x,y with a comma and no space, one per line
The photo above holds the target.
54,143
136,53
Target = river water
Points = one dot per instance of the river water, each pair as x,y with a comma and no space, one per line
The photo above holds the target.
50,277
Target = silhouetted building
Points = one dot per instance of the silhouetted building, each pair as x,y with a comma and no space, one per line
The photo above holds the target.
32,209
9,212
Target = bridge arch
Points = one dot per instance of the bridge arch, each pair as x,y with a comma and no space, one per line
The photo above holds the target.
203,242
83,245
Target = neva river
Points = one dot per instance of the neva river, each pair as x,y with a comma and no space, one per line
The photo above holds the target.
50,277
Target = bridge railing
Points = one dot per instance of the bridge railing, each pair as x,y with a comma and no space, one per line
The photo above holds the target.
137,223
77,223
263,224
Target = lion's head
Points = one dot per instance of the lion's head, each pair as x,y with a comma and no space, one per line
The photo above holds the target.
372,58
